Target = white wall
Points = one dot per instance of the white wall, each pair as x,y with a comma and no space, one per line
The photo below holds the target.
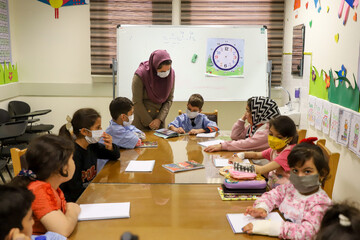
326,54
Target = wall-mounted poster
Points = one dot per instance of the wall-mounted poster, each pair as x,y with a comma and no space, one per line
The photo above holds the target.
354,133
344,126
326,114
311,109
225,57
5,53
334,122
317,113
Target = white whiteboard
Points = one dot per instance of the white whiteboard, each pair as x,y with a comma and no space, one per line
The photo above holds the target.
135,43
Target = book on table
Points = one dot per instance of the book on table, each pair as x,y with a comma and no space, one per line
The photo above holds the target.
165,133
98,211
183,166
148,144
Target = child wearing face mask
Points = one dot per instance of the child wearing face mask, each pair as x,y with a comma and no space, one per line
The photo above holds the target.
193,121
302,201
282,138
123,133
49,161
85,128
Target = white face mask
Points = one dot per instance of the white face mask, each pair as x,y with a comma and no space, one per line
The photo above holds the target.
191,114
131,119
163,74
95,136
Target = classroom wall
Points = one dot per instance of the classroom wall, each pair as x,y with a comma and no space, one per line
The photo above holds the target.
325,54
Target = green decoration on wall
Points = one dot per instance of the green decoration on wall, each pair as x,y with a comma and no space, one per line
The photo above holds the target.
2,75
345,96
11,73
318,85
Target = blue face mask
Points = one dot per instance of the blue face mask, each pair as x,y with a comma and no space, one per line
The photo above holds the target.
163,74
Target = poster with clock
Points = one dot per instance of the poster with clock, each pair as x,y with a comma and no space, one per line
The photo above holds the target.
225,57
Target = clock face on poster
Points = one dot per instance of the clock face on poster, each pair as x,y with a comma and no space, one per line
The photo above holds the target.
225,57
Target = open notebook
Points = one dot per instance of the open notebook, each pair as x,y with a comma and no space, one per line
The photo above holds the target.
209,143
140,166
98,211
239,220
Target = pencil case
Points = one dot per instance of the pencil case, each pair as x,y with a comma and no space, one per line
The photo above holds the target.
245,184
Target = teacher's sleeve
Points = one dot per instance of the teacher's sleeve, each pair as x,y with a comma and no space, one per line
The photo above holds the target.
139,107
164,110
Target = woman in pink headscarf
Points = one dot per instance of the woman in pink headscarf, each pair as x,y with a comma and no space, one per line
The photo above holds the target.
153,91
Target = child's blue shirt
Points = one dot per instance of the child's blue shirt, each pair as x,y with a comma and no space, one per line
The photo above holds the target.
49,236
124,137
201,122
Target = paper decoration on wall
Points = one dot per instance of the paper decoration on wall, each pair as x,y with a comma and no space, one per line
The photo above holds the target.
358,76
316,2
344,127
5,46
347,4
328,8
225,57
297,5
311,109
310,23
10,73
327,80
317,113
343,95
62,3
337,38
318,86
354,133
319,9
307,5
355,17
325,116
2,75
334,122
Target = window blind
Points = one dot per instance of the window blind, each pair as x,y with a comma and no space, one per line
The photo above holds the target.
242,12
106,15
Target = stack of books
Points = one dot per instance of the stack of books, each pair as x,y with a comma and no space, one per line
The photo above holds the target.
165,133
183,166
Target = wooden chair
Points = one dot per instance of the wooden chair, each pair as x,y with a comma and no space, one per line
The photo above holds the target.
213,116
16,159
333,160
301,134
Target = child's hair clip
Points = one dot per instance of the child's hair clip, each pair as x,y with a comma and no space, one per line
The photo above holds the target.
309,140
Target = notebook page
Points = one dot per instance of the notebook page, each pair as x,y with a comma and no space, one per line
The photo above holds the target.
209,143
140,166
99,211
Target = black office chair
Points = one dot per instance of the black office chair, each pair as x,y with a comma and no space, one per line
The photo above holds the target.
21,111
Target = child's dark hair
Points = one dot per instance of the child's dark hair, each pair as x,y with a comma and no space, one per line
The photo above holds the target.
46,155
196,100
286,127
83,118
120,105
15,202
341,221
305,151
166,62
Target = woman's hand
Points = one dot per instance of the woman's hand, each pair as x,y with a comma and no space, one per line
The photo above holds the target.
107,141
155,124
244,117
248,228
256,212
213,148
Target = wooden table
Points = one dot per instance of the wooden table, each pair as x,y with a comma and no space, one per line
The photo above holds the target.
163,211
172,150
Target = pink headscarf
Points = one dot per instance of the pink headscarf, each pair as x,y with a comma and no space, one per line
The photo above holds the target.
157,88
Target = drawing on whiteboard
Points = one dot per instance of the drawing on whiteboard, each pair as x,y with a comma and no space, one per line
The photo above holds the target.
225,57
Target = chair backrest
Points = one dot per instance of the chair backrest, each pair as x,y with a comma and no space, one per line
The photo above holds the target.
18,107
301,134
4,116
16,159
213,116
333,160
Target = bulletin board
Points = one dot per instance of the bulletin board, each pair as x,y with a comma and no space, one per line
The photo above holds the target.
192,49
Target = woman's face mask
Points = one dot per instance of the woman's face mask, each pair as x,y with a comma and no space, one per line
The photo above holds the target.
163,74
95,136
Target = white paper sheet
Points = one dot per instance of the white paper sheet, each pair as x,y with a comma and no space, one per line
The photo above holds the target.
354,133
222,162
239,220
311,110
140,166
344,127
334,122
98,211
205,135
317,113
209,143
326,115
